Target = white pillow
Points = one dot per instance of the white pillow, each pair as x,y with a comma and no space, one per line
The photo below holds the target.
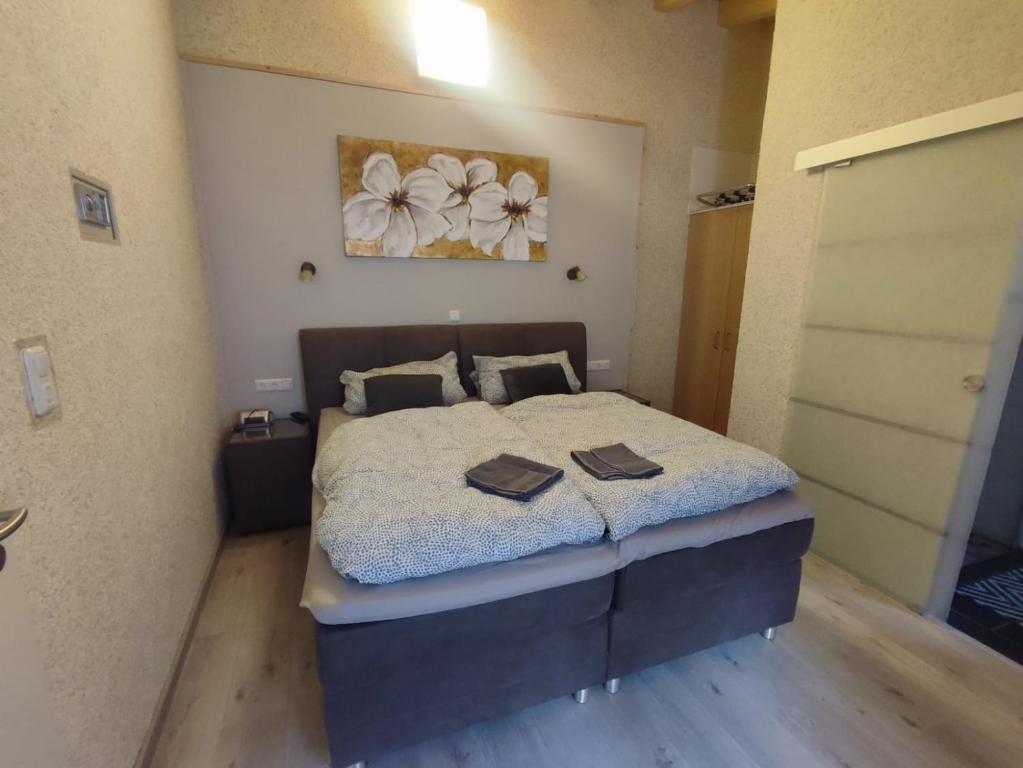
488,372
446,366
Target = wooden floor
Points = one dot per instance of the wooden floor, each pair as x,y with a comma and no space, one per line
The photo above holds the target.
856,681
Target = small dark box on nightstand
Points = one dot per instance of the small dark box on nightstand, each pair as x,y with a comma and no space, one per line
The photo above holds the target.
269,476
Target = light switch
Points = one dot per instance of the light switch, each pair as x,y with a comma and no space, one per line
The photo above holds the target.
93,204
94,209
454,315
42,389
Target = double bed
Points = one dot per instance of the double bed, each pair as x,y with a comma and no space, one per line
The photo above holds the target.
401,662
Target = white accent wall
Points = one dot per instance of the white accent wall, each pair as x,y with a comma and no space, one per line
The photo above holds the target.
692,82
265,159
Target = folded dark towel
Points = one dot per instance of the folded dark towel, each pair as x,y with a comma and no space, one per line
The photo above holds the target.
599,469
622,458
616,462
513,477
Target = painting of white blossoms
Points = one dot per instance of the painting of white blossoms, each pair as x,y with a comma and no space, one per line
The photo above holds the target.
417,201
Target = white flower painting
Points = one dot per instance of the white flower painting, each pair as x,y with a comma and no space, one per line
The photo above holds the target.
401,213
463,181
415,201
512,217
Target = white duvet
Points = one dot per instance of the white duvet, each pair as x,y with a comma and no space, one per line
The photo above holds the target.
703,471
397,505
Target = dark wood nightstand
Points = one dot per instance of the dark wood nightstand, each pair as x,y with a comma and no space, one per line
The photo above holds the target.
637,398
269,476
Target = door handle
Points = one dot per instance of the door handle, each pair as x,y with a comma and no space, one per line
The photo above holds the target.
717,340
974,384
11,520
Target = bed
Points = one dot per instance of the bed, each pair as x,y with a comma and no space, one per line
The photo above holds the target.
407,661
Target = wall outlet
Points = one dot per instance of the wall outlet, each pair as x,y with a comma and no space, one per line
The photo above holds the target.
598,365
274,385
454,315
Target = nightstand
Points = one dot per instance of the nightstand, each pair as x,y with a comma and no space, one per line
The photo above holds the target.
269,476
637,398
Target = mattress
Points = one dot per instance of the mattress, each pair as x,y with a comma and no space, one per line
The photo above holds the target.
334,600
771,511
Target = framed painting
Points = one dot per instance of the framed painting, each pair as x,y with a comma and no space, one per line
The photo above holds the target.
425,202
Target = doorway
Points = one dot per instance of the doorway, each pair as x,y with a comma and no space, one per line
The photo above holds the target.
988,600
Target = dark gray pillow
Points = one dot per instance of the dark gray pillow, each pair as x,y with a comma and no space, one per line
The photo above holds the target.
533,380
397,391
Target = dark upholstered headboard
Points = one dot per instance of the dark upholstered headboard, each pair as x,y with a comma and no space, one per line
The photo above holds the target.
328,351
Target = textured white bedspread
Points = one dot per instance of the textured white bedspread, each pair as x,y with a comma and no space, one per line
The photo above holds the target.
397,505
703,471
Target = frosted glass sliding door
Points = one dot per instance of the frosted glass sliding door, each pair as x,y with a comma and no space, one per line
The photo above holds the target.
909,339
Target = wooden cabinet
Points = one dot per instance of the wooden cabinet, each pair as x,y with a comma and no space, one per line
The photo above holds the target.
711,306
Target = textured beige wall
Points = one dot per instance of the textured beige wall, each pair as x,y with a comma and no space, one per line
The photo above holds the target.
121,489
692,82
838,69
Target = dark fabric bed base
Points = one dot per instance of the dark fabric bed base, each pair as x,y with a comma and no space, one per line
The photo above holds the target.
688,600
395,683
391,684
654,633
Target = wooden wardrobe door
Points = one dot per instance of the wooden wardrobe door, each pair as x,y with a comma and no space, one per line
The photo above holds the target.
704,305
733,311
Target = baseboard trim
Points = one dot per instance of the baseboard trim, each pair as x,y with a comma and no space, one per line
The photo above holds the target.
148,748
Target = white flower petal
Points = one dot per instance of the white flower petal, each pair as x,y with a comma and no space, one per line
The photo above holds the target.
455,198
366,217
459,218
426,188
429,225
487,234
400,237
536,229
480,171
515,246
450,168
522,187
536,220
487,203
380,175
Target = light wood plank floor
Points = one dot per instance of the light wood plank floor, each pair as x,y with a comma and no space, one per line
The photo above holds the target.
856,680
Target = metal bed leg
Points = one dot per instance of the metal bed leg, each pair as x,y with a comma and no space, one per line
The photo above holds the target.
612,685
769,633
582,695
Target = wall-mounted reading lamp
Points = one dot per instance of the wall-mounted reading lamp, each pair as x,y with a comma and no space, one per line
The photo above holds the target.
576,274
307,272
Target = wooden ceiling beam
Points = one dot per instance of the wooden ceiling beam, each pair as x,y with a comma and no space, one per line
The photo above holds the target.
735,13
670,5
